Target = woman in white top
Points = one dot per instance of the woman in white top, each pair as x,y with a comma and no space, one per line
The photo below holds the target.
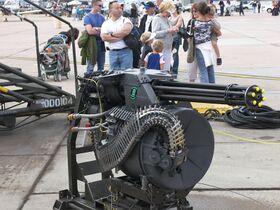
164,31
204,52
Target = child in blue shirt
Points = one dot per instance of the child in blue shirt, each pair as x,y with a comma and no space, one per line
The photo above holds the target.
154,59
147,39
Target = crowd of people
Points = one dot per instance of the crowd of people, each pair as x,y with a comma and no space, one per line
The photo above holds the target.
160,39
226,7
276,8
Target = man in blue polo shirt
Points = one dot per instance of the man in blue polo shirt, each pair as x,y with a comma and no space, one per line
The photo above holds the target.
92,23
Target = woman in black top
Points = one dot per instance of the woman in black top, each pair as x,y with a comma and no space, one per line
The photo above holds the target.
134,14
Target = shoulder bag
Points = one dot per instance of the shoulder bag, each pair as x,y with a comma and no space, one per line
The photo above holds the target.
191,50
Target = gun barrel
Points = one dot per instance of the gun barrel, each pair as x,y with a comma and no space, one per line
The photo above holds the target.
209,93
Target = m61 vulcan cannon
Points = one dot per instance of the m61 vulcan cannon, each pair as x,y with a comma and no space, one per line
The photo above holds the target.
140,125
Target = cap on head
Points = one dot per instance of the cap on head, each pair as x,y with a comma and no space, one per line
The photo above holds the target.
149,4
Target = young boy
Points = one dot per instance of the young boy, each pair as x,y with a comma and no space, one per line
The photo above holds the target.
216,33
146,38
154,59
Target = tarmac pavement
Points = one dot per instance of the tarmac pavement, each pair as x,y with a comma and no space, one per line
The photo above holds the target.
243,175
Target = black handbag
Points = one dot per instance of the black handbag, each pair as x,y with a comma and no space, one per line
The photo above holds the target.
185,45
185,33
132,39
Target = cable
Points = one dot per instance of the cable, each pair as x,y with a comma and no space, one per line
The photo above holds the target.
99,100
258,118
213,114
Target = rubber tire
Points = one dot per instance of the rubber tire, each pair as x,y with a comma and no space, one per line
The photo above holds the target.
43,76
59,77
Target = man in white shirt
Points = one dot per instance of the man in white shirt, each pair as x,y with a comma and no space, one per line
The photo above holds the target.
113,31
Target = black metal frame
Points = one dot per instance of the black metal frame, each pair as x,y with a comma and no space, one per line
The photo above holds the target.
29,91
71,199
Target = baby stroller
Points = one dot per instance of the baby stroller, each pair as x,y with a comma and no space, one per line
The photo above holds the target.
54,58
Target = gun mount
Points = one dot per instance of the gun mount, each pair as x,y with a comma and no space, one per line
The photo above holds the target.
139,126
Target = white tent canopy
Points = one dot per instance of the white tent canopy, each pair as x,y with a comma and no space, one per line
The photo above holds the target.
74,2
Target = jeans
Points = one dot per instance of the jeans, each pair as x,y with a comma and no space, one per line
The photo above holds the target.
100,59
120,59
175,45
222,11
206,74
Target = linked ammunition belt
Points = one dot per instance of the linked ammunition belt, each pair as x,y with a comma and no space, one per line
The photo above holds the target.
137,123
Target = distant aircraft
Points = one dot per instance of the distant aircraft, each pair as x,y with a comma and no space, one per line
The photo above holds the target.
15,6
12,5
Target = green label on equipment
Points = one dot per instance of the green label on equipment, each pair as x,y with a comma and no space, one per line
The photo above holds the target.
133,93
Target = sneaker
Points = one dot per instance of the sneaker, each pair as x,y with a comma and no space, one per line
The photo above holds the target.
219,61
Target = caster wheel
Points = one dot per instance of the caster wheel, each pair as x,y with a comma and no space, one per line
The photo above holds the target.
43,76
59,77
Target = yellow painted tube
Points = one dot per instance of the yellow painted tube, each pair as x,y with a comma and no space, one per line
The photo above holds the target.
3,89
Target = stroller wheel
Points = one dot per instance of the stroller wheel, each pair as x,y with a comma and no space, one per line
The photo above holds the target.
67,75
43,76
59,77
55,77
